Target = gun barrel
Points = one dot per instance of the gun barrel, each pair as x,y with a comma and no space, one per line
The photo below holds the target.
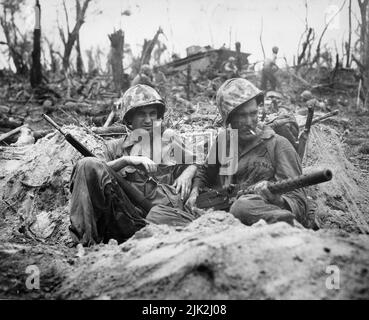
323,117
301,181
54,124
309,119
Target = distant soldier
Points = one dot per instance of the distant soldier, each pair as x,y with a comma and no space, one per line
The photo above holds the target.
145,76
269,69
230,68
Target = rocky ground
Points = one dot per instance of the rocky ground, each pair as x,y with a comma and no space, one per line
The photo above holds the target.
214,257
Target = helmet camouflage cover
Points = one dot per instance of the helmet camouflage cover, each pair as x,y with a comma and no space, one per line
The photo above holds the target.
235,92
141,95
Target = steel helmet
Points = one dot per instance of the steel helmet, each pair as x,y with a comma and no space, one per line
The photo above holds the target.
275,49
235,92
232,59
141,95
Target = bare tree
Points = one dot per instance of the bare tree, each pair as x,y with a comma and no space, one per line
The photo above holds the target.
306,46
317,52
348,44
18,44
149,47
36,74
79,65
55,66
363,45
116,58
72,36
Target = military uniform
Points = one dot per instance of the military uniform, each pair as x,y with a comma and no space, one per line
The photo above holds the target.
100,209
230,68
268,73
269,157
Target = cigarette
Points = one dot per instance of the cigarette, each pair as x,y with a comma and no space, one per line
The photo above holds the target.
252,132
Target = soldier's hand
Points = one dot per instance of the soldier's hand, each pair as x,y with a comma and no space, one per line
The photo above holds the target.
183,184
261,188
147,163
191,201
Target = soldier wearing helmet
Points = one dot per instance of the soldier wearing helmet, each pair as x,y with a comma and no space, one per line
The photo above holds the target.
270,67
262,156
230,68
100,209
145,76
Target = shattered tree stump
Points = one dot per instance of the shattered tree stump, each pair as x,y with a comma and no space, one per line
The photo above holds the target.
116,58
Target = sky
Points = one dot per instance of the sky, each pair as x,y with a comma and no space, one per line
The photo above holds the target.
201,22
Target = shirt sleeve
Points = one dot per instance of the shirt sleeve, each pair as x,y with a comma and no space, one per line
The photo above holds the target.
207,173
114,149
288,165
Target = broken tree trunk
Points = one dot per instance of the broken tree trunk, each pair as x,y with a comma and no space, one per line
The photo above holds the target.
10,30
79,66
36,74
72,36
348,46
149,47
304,47
116,58
363,62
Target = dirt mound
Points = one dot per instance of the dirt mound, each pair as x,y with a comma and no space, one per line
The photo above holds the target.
34,185
216,257
342,202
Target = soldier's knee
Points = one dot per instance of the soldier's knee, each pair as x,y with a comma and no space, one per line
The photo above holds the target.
239,208
88,163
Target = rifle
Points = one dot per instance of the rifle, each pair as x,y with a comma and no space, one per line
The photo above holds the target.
132,192
324,117
222,199
305,134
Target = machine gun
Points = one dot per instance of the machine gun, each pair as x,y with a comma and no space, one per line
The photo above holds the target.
222,199
132,192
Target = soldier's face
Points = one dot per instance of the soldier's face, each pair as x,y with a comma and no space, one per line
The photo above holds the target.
245,120
144,117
